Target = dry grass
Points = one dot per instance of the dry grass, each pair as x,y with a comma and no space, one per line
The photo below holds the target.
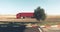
13,18
18,20
52,20
7,16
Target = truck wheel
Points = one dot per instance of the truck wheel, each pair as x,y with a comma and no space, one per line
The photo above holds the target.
23,17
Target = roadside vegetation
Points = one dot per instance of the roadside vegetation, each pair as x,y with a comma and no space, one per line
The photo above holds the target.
50,23
42,23
39,14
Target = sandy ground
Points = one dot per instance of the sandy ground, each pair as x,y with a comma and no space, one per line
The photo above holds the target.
18,20
12,18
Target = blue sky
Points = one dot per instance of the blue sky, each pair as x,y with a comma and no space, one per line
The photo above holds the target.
52,7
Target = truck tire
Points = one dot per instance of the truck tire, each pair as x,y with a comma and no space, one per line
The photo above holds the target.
23,17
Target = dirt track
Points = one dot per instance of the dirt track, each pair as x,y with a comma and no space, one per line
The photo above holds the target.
18,20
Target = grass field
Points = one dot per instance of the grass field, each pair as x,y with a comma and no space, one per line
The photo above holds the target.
51,20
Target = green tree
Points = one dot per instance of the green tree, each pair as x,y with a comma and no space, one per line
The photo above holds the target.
39,14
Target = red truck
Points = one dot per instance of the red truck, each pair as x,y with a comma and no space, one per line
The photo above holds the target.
25,15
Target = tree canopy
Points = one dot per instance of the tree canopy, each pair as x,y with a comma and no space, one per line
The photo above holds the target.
39,14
